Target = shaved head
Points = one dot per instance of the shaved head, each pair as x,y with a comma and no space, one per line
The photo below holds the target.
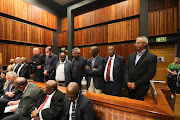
111,51
72,91
62,56
51,86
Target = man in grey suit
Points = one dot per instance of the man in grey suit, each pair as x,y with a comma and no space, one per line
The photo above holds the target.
141,68
63,71
30,91
76,106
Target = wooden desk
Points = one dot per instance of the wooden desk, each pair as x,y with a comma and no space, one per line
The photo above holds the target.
121,108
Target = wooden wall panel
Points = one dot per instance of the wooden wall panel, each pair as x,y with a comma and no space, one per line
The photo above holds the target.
17,31
155,5
12,51
64,25
123,31
162,22
62,39
168,52
113,12
26,11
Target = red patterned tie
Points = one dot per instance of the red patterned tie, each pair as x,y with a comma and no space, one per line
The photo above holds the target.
43,103
108,71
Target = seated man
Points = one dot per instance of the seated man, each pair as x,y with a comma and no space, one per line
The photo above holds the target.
30,92
76,105
10,94
2,81
48,104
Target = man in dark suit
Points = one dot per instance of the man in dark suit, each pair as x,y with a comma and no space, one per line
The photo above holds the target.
50,64
76,105
78,66
37,64
94,70
2,81
141,68
17,64
63,70
30,92
114,73
10,94
24,69
49,103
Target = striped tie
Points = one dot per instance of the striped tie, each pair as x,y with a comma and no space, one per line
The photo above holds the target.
73,111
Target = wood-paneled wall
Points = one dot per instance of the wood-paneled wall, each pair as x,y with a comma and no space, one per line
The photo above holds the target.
155,5
62,39
123,50
17,31
12,51
113,12
64,25
162,21
168,52
26,11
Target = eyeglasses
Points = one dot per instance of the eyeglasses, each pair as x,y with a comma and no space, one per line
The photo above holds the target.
137,43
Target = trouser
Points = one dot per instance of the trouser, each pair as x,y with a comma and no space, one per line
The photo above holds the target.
93,89
111,89
172,85
138,93
38,78
12,117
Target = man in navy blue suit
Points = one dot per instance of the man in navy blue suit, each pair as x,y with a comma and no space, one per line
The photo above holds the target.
114,73
94,70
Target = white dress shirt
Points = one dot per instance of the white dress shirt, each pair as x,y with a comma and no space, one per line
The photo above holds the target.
60,75
20,69
70,109
111,69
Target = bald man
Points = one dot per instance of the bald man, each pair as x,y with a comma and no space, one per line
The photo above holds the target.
76,105
17,64
63,71
114,73
11,65
37,64
24,69
52,99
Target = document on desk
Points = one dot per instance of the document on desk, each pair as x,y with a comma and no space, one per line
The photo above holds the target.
8,108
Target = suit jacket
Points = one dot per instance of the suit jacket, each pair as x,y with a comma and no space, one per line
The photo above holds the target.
143,71
17,92
118,71
35,61
2,81
16,67
30,93
56,106
78,69
97,75
67,71
25,71
84,109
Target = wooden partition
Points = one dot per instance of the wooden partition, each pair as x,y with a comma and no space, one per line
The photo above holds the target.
121,108
12,51
113,12
163,22
64,26
21,32
28,12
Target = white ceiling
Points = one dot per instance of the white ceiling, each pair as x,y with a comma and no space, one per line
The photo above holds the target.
63,2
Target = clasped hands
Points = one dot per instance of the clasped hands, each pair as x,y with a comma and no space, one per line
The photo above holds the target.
11,103
88,67
34,114
131,85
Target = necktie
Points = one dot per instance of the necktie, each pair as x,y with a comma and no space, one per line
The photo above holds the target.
43,103
108,71
73,111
